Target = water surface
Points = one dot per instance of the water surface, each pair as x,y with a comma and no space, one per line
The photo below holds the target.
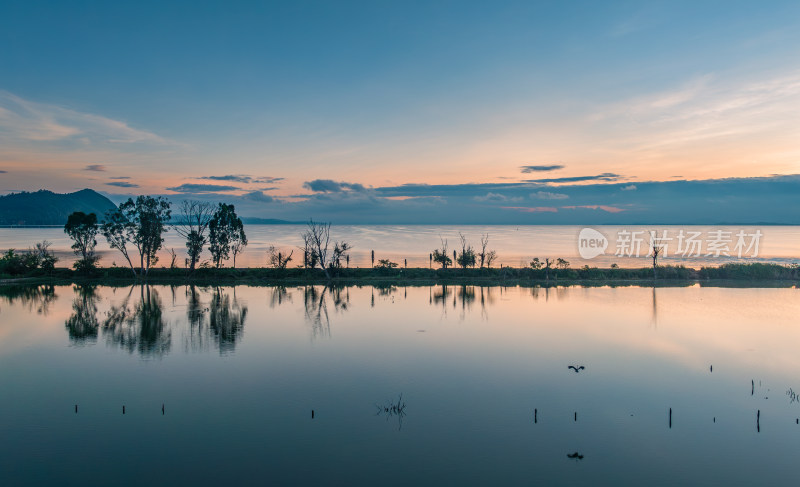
483,373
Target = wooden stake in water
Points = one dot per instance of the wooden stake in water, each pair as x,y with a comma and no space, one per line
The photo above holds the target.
535,416
670,418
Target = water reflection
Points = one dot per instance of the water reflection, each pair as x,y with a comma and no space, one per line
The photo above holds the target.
226,319
33,298
82,324
315,301
220,321
139,326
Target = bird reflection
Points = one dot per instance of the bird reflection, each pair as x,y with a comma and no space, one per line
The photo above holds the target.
139,327
82,324
34,298
575,456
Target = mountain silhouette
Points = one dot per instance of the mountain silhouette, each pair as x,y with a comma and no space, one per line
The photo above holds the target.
48,208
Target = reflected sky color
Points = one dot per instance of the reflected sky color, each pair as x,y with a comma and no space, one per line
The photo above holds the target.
240,369
515,245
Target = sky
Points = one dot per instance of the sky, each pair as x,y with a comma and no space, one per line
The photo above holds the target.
408,111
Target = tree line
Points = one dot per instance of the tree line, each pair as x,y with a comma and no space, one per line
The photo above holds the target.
141,224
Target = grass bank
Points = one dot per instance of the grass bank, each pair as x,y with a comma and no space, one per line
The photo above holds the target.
676,275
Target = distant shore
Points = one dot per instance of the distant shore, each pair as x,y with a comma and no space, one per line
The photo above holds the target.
741,274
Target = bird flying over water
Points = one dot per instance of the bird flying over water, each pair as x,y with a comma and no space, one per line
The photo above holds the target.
576,368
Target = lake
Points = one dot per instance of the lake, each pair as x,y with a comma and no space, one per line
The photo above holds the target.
398,385
515,245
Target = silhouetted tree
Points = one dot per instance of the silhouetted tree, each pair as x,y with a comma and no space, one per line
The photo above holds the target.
440,255
486,257
143,222
467,256
340,251
317,239
277,259
562,264
226,233
195,216
118,231
82,229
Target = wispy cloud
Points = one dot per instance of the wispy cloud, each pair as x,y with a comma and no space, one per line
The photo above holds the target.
202,188
331,186
532,209
496,197
120,177
122,184
547,195
606,176
630,187
239,178
552,167
23,120
95,167
610,209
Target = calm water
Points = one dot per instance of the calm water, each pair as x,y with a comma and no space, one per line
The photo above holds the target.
515,245
239,371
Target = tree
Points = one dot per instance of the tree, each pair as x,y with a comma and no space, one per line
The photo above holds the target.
440,255
226,233
118,231
239,241
277,259
467,256
536,264
372,258
386,264
340,251
656,249
42,257
561,263
484,243
317,239
149,217
195,216
82,229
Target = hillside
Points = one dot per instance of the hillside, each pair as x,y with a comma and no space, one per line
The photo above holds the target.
47,208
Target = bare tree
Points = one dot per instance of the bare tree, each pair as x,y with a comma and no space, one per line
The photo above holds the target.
192,225
656,249
317,238
278,259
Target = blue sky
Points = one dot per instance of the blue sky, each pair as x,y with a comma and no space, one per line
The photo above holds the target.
159,98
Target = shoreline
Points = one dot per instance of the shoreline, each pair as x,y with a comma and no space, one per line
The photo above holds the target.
732,275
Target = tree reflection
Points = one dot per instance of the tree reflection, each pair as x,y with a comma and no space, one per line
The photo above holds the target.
139,327
315,300
221,320
226,319
34,298
278,295
82,324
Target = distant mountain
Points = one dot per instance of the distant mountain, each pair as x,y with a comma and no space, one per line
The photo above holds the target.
47,208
